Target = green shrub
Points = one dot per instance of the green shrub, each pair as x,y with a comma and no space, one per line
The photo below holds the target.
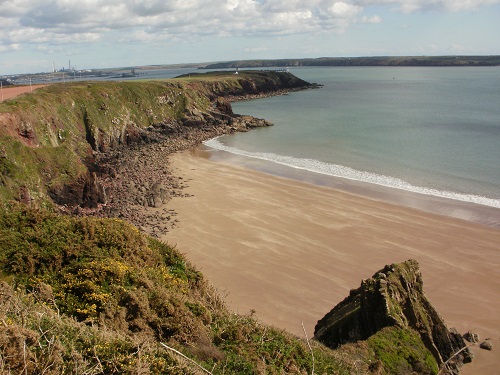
402,352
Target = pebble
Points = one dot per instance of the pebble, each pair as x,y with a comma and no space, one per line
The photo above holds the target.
486,345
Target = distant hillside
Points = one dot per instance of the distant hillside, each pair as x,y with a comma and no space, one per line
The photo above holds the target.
365,61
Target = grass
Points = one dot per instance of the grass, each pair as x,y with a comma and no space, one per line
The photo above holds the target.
48,136
96,292
35,339
401,351
79,295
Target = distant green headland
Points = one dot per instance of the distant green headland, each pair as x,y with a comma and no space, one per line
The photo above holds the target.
365,61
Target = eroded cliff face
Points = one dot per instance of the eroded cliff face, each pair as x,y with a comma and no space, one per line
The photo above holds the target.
393,297
53,139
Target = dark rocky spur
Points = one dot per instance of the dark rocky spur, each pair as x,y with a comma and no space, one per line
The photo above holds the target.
393,297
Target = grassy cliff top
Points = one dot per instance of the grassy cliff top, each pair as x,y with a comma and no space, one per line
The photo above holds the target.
49,137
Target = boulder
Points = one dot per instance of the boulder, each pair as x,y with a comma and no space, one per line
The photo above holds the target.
471,337
486,345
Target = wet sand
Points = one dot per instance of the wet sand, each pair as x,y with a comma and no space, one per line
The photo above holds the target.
291,250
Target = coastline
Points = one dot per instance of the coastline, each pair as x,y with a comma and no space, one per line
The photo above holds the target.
292,250
474,212
285,242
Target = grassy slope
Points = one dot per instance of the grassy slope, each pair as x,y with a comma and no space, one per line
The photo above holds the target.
89,293
97,296
53,130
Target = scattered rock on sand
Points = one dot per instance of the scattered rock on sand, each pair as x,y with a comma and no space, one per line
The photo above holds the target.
486,345
471,337
145,180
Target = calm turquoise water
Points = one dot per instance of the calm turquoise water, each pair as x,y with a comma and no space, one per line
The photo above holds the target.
434,131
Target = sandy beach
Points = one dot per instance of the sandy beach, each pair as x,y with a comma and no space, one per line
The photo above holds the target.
291,250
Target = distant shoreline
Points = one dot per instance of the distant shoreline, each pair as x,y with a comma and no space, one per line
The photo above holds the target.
423,61
431,61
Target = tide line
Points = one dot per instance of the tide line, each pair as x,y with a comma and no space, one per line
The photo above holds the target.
344,172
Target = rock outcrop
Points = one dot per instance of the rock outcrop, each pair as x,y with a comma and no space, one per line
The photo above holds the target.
393,297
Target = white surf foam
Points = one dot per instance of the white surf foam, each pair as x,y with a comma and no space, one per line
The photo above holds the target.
341,171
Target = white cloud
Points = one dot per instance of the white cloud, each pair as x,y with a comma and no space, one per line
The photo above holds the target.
459,49
256,49
457,5
9,47
208,17
411,6
47,24
372,19
344,10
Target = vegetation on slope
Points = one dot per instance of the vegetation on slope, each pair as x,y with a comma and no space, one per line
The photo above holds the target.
48,137
97,296
402,351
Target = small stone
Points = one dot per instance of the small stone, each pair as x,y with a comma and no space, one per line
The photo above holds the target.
486,345
471,336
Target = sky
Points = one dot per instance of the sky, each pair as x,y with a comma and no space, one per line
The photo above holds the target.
36,35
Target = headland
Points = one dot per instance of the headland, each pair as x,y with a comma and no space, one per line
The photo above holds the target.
101,150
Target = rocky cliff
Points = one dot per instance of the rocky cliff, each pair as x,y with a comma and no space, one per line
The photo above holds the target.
393,297
56,142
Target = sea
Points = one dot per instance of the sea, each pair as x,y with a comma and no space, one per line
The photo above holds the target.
424,137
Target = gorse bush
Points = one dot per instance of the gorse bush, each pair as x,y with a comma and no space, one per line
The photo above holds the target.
35,339
86,295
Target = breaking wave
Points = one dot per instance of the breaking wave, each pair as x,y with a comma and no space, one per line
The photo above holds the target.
341,171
